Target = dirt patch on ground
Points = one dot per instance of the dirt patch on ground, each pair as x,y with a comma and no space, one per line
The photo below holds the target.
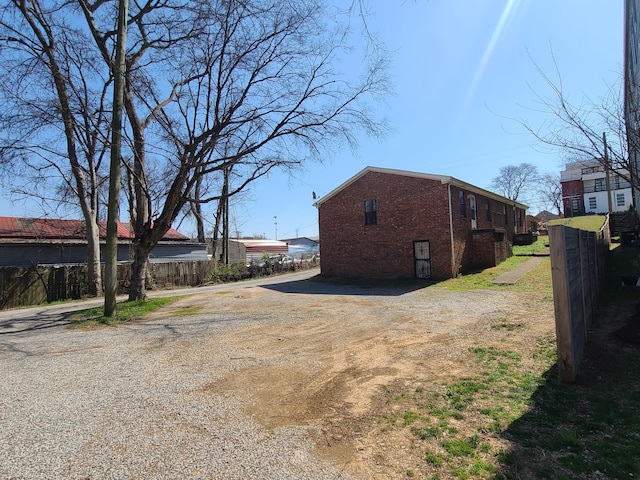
323,360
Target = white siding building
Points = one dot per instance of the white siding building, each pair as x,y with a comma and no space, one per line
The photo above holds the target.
588,188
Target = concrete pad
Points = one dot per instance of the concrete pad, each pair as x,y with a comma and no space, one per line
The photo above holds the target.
512,276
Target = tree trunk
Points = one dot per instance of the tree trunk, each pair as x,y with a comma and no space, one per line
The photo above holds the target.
200,223
111,250
215,239
196,209
139,270
225,218
94,275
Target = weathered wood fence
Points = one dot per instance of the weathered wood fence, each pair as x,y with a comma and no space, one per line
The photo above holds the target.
578,266
36,285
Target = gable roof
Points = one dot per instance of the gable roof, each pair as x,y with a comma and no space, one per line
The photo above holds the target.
315,239
546,215
263,245
428,176
56,229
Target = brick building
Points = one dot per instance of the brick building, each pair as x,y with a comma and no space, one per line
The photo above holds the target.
587,187
385,223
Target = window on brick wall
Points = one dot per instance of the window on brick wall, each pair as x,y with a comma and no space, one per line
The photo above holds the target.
463,205
370,212
488,210
504,213
575,206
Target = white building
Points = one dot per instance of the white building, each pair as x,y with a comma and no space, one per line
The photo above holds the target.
588,188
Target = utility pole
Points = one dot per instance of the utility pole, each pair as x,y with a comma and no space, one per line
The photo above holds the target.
225,218
275,223
111,250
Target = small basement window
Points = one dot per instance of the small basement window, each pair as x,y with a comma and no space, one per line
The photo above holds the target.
370,212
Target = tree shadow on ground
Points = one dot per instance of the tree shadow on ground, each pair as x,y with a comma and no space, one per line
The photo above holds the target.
39,321
589,429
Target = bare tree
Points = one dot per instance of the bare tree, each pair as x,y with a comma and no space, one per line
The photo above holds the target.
228,83
516,181
578,130
550,191
53,113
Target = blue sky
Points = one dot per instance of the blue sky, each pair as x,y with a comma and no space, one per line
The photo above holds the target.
462,71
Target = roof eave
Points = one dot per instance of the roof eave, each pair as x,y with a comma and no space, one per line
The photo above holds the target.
445,179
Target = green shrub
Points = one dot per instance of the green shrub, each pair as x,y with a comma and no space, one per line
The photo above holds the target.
229,273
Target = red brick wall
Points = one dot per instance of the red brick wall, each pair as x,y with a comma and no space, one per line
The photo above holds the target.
487,249
572,188
408,209
475,251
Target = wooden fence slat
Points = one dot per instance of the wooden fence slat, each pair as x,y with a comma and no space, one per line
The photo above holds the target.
578,261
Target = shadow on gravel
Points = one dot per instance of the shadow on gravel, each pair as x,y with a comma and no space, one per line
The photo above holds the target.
316,286
40,321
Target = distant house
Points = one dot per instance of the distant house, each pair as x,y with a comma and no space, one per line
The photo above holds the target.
301,246
244,251
385,223
42,241
539,222
545,216
588,188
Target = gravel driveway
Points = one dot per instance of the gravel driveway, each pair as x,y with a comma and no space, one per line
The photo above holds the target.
240,389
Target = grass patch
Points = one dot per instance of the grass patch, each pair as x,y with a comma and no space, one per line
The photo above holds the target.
455,422
535,248
537,280
592,223
125,312
461,447
503,323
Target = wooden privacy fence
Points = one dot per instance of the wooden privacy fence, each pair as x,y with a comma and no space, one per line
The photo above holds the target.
21,287
578,264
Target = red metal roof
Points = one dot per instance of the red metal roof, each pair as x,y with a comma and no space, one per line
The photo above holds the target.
55,229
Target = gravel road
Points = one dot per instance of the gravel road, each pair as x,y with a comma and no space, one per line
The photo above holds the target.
148,400
47,316
110,403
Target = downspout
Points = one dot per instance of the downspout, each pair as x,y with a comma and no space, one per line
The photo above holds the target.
453,248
